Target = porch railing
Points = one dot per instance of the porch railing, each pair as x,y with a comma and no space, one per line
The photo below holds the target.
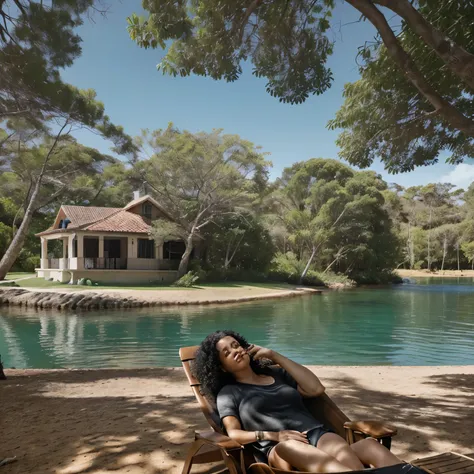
53,263
105,263
135,264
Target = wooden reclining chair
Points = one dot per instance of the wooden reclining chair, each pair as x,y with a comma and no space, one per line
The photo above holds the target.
213,445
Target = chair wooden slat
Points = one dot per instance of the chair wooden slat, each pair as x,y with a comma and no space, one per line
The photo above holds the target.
456,465
463,470
193,381
438,457
446,462
187,353
327,412
446,457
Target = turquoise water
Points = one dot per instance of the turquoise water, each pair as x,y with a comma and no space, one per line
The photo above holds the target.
427,323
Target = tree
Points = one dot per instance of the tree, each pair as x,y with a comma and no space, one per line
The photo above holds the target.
49,167
448,234
384,116
37,39
198,178
337,219
468,251
238,241
287,43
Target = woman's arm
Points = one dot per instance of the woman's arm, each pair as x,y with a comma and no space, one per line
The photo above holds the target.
234,430
308,384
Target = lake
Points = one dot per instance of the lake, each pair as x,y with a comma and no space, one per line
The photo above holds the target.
427,322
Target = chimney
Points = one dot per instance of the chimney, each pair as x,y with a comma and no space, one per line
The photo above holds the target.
136,195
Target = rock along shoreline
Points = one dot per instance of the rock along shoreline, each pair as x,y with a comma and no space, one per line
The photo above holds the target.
96,300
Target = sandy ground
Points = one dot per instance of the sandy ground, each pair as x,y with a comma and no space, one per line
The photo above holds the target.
201,295
141,421
444,273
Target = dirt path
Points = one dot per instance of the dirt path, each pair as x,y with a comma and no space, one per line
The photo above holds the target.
141,421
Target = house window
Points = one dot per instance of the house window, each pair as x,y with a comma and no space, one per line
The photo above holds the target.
146,248
146,210
173,250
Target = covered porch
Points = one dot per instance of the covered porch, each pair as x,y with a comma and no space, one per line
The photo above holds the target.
94,256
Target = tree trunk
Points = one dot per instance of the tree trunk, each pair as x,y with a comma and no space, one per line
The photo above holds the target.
183,264
228,257
429,244
445,245
457,249
16,244
305,271
411,248
442,107
458,60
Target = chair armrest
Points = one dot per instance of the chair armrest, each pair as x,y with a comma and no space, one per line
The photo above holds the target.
217,439
375,429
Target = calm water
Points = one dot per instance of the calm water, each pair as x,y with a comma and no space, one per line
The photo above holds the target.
427,323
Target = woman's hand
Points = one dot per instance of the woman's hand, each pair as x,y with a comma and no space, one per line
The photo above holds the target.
257,352
292,435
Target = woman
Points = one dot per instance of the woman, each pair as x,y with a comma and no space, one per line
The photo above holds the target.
263,406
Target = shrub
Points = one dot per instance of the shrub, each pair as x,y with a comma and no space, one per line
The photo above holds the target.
195,266
187,281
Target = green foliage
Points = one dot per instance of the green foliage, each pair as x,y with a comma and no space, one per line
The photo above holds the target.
336,218
405,111
468,250
198,178
287,268
187,281
385,117
238,242
285,42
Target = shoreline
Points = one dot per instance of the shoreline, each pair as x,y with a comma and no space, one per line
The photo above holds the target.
438,274
141,421
72,299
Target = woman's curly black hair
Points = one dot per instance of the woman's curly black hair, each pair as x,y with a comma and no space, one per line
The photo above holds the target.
207,366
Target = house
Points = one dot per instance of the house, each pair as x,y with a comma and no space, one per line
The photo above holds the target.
110,245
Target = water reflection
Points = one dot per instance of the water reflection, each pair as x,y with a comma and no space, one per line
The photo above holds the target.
415,324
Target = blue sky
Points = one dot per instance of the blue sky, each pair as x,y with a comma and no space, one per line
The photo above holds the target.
137,96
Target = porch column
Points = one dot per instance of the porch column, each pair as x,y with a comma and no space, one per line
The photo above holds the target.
132,247
63,262
71,247
44,253
80,246
80,252
159,251
101,246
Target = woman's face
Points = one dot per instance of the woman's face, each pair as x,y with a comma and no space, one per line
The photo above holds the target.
232,355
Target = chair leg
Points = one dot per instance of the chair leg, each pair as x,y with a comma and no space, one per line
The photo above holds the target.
193,450
228,459
230,463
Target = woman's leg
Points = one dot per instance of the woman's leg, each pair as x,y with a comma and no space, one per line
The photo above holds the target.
372,453
303,457
337,447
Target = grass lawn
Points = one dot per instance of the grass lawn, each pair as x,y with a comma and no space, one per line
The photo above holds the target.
42,283
15,275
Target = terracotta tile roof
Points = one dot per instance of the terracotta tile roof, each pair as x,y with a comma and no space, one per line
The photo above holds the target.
122,221
81,215
107,219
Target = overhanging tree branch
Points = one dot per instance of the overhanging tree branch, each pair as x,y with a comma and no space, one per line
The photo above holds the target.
406,64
